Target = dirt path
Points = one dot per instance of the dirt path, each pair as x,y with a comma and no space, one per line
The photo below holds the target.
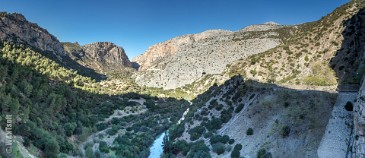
336,139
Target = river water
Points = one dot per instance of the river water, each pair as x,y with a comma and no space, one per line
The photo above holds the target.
156,148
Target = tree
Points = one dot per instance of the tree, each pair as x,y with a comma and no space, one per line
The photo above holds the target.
103,147
51,148
166,144
285,131
219,148
78,129
236,151
89,152
69,128
249,131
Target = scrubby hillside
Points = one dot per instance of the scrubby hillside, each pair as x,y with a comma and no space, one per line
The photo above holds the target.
321,53
261,118
15,28
57,112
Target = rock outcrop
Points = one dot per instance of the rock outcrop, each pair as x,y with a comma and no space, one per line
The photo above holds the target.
185,59
14,27
101,56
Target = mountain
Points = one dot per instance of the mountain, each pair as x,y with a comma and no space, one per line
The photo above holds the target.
267,90
327,52
103,57
55,107
306,89
183,60
14,27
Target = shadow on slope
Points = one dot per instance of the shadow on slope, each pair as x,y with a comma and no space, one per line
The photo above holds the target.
281,118
348,62
55,118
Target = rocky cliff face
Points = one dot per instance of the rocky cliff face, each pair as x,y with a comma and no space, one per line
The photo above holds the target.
359,124
101,56
14,27
185,59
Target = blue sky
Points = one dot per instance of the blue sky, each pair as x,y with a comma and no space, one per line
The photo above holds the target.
137,24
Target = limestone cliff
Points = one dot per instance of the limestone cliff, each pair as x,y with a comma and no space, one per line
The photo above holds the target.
101,56
185,59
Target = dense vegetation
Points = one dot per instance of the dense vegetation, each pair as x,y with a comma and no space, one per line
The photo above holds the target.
54,109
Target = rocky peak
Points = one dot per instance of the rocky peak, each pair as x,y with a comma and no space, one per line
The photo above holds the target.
263,27
15,28
100,56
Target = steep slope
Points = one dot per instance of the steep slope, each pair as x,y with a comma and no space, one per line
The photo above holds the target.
54,110
322,53
267,120
104,57
14,27
260,117
185,59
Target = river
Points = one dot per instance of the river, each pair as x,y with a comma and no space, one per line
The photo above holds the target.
156,149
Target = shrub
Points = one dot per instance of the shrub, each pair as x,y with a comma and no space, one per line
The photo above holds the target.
199,149
249,131
236,151
286,104
182,146
349,106
208,134
231,141
176,131
219,148
219,139
262,153
103,147
285,131
214,124
196,132
226,115
239,108
51,148
69,128
219,107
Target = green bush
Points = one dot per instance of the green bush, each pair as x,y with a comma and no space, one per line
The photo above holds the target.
219,139
285,131
349,106
182,146
218,148
196,132
176,131
249,131
199,150
103,147
51,148
262,153
236,151
231,141
226,115
214,124
239,108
